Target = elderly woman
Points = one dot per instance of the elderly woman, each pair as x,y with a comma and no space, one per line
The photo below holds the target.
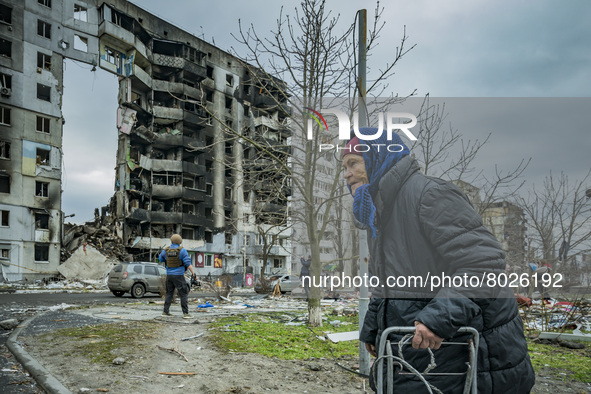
420,226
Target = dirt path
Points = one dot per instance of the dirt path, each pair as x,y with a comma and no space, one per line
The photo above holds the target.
215,371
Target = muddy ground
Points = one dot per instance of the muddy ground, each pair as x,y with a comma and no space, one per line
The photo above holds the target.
215,371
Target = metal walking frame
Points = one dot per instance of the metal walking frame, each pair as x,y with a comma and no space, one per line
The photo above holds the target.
385,352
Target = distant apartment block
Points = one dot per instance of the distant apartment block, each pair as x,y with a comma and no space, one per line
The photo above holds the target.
180,168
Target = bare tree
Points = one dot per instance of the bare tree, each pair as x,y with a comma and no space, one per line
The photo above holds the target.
442,151
559,214
315,59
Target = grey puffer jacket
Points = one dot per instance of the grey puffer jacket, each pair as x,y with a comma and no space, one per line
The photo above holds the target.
427,226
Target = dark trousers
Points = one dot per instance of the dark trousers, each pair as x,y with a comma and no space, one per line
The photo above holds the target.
176,282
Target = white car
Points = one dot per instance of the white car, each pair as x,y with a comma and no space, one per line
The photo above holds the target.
287,283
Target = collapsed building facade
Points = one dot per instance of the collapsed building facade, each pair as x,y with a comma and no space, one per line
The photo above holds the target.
182,164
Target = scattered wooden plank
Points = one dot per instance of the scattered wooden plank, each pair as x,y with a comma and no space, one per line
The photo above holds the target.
176,373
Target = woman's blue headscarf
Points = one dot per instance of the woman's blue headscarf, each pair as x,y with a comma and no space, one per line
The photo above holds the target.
382,155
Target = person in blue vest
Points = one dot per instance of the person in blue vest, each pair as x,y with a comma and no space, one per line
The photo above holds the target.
177,261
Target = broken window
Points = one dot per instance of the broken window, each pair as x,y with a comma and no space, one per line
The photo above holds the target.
43,124
208,163
80,13
41,252
6,81
5,116
136,98
5,14
112,56
209,189
5,253
5,150
209,70
229,103
189,182
43,92
41,189
5,48
43,29
4,216
193,55
228,237
208,213
188,233
46,3
189,209
4,183
41,221
229,80
80,43
42,157
44,61
209,95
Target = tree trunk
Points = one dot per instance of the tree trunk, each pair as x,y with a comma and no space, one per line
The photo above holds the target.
314,310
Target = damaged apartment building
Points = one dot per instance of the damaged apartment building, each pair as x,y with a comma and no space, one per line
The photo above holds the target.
182,166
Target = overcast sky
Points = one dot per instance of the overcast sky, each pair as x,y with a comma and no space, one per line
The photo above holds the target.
464,48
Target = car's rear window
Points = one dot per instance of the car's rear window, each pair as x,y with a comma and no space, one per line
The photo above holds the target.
137,269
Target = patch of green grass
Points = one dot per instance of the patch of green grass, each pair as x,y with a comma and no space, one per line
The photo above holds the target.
99,342
576,363
267,334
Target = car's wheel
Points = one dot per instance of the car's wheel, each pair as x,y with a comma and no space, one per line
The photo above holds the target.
138,290
118,293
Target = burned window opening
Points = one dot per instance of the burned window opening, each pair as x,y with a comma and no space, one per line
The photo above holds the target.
209,189
4,218
41,189
42,157
46,3
6,81
41,221
188,233
44,61
229,103
43,92
5,14
229,80
189,209
42,253
166,179
5,150
5,254
5,116
4,183
43,29
208,213
209,71
167,48
5,48
208,235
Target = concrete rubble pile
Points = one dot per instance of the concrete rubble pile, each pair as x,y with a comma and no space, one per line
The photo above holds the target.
102,237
